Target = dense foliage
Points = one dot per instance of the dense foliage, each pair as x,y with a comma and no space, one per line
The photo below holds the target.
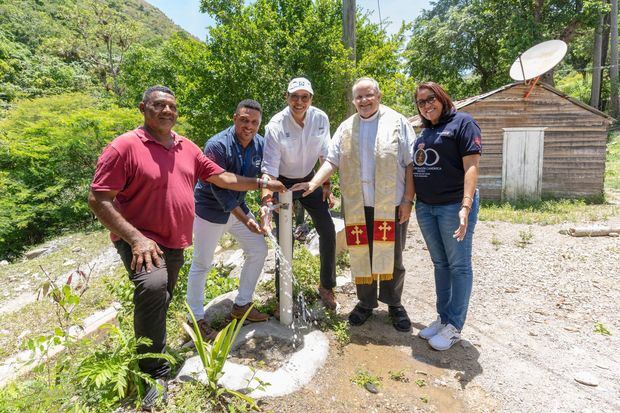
48,150
48,47
255,49
469,45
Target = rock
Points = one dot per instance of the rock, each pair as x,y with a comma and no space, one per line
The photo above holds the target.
68,263
219,308
342,280
76,249
571,329
312,243
586,378
312,240
235,259
371,388
614,234
4,263
531,333
341,237
35,253
465,344
511,290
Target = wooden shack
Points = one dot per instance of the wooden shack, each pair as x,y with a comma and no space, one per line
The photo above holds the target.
545,145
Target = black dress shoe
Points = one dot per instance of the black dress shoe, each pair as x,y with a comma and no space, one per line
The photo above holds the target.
359,315
400,319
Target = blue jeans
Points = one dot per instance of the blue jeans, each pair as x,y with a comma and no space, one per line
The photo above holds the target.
451,259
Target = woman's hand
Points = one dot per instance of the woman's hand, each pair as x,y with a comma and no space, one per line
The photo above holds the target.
404,211
460,232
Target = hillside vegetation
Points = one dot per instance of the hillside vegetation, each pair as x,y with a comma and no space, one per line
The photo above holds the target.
55,46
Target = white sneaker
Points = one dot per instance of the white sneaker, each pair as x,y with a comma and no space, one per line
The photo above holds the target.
435,327
445,338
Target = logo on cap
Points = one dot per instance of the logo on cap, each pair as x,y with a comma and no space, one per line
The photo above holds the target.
300,83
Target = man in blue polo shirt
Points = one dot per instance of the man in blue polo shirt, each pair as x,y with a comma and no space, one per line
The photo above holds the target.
237,149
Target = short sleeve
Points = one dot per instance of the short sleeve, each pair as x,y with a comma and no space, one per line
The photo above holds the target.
111,173
470,140
333,154
206,168
406,144
271,151
325,138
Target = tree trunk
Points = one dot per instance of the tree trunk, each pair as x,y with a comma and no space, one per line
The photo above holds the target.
604,50
613,70
595,93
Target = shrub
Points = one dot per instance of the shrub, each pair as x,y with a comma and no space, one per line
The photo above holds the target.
48,152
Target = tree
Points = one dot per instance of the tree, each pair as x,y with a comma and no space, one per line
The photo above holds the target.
104,36
468,45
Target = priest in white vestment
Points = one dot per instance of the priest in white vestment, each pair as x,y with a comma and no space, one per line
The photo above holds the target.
373,151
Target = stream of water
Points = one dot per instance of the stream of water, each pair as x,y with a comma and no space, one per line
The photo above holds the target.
302,317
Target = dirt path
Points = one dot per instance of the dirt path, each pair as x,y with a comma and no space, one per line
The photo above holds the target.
529,335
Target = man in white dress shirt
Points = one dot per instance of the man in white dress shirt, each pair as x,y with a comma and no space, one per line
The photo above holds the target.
375,144
295,139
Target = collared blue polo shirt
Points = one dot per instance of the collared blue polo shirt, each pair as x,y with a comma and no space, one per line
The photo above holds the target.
214,203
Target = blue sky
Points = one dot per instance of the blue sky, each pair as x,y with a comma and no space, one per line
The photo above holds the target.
185,13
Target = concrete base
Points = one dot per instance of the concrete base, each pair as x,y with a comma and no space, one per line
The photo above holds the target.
292,376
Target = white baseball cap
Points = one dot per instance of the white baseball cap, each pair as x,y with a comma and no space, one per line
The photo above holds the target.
300,83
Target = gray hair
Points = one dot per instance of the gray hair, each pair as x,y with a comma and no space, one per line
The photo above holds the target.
148,92
374,83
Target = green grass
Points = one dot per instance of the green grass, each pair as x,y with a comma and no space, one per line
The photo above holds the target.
612,163
547,212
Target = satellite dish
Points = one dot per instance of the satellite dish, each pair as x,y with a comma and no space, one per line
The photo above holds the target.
538,59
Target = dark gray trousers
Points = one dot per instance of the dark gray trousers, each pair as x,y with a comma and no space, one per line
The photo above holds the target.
390,292
151,299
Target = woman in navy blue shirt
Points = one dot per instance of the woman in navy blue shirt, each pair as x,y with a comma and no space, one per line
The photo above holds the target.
445,172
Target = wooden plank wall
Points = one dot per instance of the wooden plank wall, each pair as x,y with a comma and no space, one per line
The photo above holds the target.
575,141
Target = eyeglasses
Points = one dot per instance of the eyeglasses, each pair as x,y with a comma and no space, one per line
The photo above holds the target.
423,102
367,97
303,98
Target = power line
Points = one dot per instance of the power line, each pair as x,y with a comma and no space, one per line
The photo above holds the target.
380,19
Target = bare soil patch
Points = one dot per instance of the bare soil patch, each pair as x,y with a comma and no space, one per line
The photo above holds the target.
538,296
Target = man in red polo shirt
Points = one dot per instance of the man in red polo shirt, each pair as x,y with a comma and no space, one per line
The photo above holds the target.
143,192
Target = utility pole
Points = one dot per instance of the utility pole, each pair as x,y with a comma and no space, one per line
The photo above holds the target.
597,53
613,70
348,30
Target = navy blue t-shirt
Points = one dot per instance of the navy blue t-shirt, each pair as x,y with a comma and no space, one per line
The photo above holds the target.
438,154
214,203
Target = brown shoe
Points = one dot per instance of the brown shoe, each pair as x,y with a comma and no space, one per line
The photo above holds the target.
328,297
207,333
254,316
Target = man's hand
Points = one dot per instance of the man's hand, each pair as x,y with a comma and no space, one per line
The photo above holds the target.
460,232
328,196
253,226
307,187
145,252
404,212
276,186
265,219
